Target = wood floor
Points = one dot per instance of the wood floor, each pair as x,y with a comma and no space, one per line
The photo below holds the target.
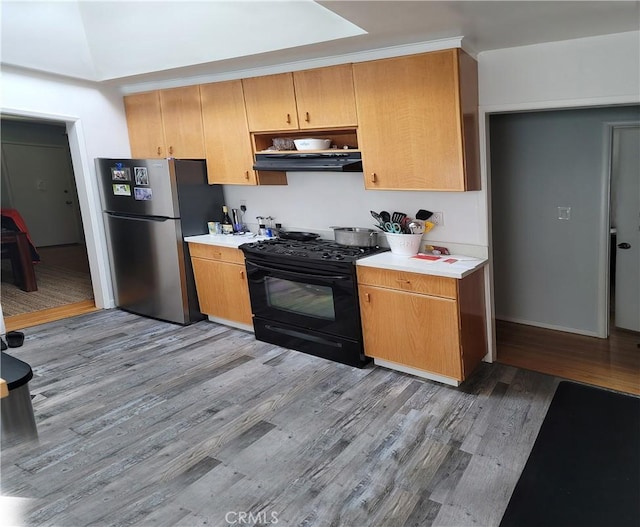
612,363
73,257
143,422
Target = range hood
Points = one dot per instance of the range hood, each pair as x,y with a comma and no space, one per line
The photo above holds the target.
338,161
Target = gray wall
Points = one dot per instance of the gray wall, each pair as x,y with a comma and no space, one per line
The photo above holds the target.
546,270
28,132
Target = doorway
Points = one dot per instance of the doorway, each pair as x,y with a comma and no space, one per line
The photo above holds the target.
551,243
625,226
38,186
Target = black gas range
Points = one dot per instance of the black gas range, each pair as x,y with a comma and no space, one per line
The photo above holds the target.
304,296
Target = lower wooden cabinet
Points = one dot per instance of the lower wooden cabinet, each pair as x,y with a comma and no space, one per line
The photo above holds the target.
426,325
221,282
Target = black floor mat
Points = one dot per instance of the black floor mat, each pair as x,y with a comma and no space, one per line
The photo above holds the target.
584,468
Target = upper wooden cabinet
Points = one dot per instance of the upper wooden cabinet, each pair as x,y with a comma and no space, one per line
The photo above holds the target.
418,121
144,121
166,123
302,100
325,97
227,140
182,118
228,147
270,102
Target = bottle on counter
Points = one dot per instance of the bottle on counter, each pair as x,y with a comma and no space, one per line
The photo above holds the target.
235,218
227,226
262,230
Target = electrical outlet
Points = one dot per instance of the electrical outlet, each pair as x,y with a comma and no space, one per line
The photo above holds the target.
437,218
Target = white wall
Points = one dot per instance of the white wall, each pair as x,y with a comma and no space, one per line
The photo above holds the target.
96,127
588,71
314,201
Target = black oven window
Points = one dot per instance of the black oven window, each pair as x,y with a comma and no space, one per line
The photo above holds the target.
296,297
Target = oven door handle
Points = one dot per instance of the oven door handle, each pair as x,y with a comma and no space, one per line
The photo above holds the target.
293,273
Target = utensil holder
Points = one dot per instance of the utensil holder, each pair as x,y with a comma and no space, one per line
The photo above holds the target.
404,244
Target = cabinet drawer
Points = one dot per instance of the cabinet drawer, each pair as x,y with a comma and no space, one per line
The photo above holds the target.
411,282
216,252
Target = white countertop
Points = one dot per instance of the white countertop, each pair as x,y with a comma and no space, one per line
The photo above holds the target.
225,240
450,266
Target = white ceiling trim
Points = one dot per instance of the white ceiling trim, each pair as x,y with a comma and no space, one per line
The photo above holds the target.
374,54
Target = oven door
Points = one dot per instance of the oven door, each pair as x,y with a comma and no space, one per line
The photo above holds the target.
323,301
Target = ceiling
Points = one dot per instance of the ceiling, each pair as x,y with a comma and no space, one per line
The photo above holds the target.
122,42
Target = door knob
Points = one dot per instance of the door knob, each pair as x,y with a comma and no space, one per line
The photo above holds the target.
624,245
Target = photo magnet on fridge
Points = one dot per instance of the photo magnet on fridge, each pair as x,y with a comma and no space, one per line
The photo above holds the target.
142,194
120,189
120,174
141,176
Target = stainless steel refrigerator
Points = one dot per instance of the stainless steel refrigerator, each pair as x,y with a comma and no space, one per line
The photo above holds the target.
149,205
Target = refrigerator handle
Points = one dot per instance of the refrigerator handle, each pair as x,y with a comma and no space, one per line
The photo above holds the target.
137,218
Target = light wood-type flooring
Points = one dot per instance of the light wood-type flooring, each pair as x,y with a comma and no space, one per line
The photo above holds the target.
612,363
146,423
73,257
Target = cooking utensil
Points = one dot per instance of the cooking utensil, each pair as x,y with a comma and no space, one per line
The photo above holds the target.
416,226
355,236
377,217
423,214
385,216
397,217
299,236
393,227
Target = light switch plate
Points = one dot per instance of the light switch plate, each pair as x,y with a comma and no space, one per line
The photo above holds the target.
564,213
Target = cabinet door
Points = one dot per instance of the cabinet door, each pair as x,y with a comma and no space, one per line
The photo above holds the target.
270,103
409,123
325,97
414,330
182,118
222,290
227,139
144,121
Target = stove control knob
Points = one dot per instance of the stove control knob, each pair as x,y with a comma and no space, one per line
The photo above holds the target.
326,255
339,257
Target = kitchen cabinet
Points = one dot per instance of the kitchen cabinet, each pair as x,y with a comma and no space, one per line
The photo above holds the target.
418,121
303,100
166,123
426,325
221,283
228,147
325,97
144,122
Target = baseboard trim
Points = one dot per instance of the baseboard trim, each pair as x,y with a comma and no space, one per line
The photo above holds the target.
231,323
549,326
415,371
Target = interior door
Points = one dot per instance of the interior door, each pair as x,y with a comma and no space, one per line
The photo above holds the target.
626,219
43,191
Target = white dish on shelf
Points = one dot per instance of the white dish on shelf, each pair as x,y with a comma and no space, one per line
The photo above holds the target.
312,144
